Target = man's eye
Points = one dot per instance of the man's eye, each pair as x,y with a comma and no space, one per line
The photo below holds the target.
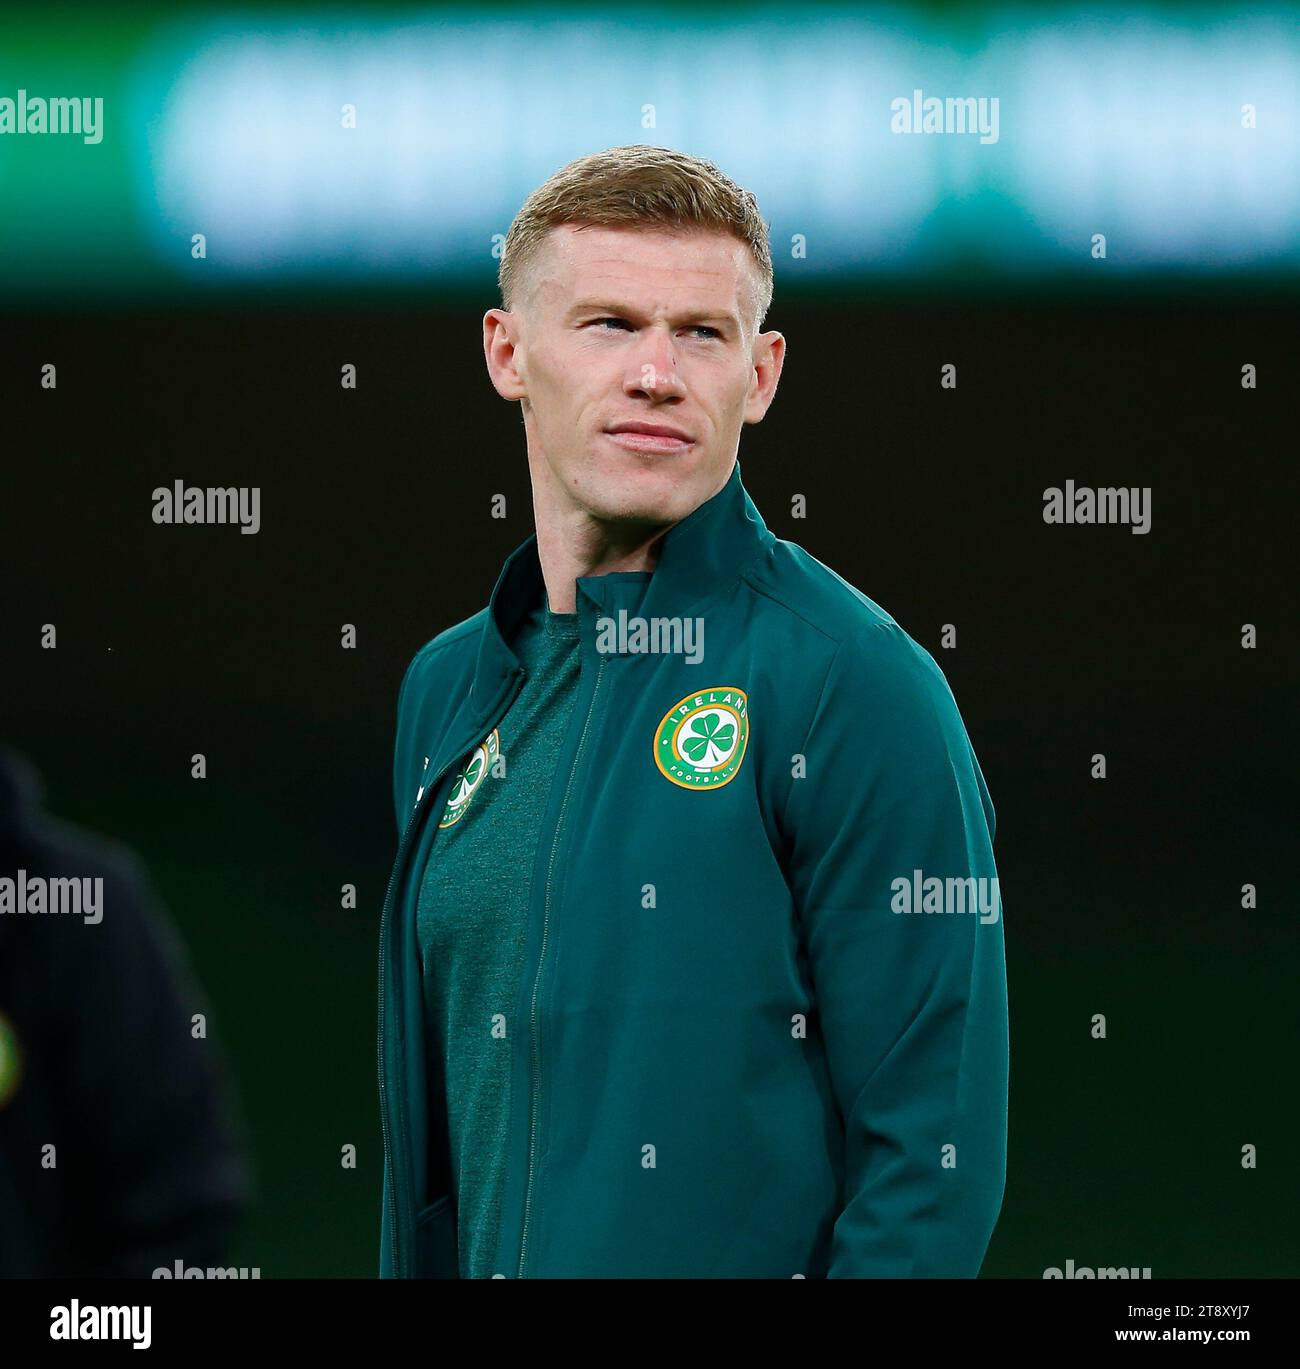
623,323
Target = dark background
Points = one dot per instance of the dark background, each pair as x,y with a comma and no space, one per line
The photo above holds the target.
1122,896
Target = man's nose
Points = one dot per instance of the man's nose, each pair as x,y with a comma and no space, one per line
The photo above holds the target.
654,367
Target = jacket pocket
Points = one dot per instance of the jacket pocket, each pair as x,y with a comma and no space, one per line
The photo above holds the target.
435,1241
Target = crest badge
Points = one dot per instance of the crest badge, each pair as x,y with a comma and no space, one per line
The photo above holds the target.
701,741
469,778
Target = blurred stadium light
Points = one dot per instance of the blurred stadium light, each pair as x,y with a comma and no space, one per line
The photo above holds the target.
232,124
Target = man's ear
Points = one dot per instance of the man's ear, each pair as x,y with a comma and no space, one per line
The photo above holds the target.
769,357
500,336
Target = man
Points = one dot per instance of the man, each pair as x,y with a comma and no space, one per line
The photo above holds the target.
656,998
121,1151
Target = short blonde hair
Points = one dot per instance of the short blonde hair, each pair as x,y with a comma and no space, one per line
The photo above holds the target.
637,186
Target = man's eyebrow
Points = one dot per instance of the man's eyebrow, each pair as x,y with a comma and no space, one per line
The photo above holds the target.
607,309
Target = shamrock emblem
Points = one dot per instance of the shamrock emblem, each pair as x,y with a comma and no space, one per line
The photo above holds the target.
710,739
467,778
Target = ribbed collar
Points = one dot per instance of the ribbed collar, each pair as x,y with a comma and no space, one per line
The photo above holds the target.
698,555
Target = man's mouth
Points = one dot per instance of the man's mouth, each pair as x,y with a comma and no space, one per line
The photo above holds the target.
649,437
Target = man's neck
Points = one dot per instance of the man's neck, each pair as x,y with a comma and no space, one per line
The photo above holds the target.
576,545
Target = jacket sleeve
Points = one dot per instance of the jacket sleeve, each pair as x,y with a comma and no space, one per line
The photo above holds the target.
911,1004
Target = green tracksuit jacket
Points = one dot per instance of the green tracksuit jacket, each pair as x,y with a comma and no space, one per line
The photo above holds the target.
764,993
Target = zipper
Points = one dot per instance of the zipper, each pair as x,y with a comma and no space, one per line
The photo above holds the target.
541,960
395,1169
398,1171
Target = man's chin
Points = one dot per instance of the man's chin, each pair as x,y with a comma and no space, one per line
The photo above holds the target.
644,492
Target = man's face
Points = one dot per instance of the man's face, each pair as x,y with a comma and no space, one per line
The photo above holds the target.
624,326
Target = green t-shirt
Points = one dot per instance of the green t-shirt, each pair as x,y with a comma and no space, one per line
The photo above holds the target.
471,920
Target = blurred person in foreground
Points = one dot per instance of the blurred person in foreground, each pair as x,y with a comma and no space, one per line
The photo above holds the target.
119,1152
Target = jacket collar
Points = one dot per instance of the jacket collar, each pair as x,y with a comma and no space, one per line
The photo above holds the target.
708,548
